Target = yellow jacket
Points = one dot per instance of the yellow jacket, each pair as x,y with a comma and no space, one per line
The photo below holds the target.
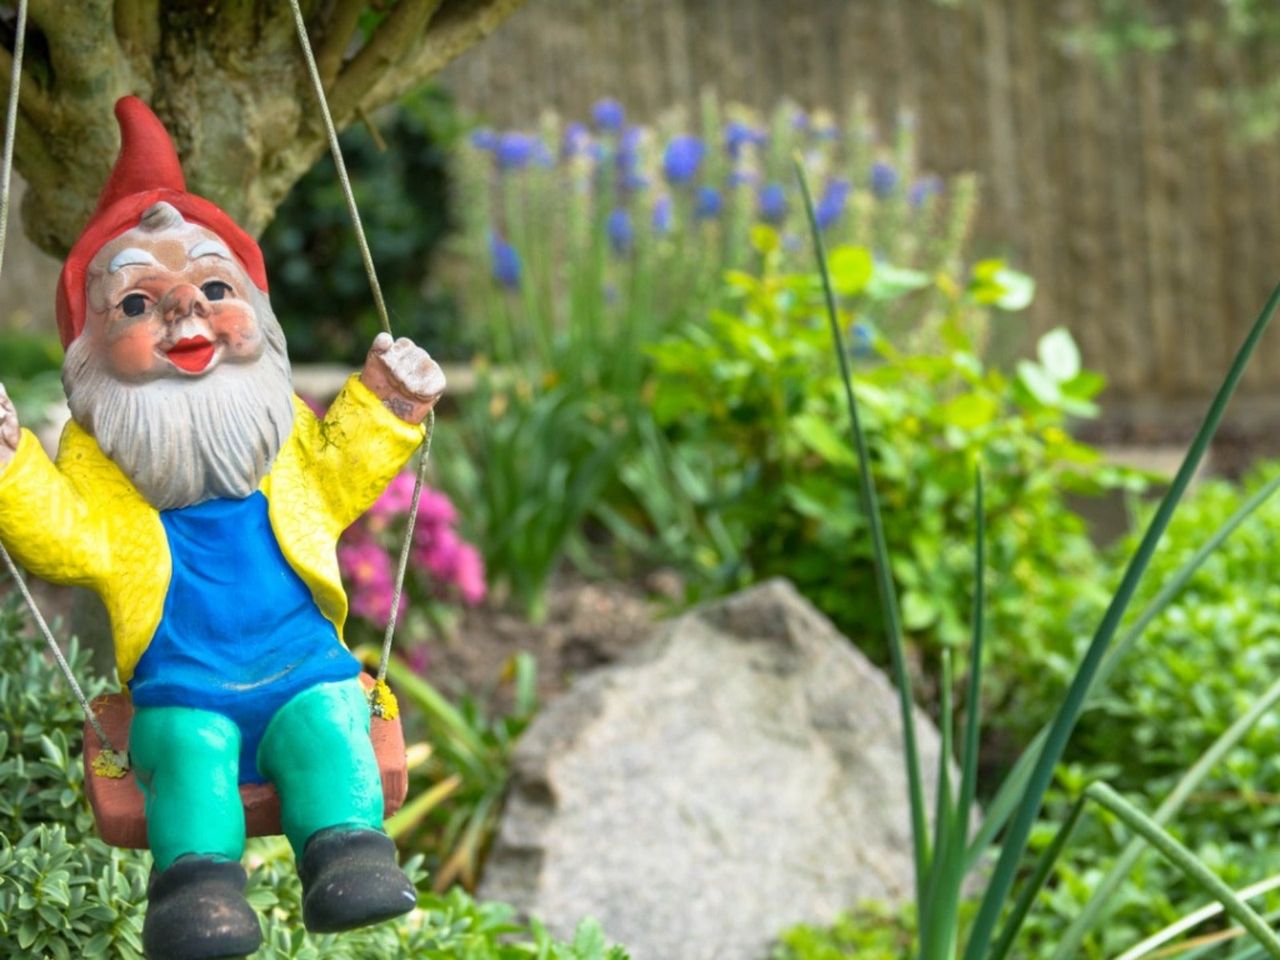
81,522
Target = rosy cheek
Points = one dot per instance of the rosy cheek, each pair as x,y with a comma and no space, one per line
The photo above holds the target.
132,353
236,325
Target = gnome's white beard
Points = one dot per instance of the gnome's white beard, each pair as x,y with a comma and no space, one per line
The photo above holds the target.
185,440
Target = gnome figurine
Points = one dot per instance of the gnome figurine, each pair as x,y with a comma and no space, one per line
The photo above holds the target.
203,501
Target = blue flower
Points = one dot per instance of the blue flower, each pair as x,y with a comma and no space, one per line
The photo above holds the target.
662,214
542,156
708,204
922,190
773,203
832,203
608,115
506,262
484,139
576,140
738,135
681,159
631,181
883,179
515,150
621,234
864,341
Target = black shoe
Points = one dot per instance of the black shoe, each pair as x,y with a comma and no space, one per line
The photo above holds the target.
350,879
196,910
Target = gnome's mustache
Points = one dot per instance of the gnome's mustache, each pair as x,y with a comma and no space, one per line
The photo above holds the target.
184,440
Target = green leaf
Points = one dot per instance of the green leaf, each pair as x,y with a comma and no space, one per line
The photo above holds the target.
889,282
1018,290
851,269
1037,382
1059,355
818,435
970,411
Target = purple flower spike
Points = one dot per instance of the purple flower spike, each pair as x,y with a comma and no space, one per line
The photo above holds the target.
484,139
681,160
576,140
773,203
831,206
922,190
515,150
621,234
662,215
506,262
608,115
739,135
709,203
883,179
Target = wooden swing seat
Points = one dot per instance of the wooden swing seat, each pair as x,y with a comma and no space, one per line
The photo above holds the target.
117,803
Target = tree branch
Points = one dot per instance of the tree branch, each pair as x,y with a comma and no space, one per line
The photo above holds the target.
394,37
459,25
137,24
334,36
33,102
76,32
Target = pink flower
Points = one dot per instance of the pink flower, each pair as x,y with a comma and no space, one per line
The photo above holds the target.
397,498
316,406
368,568
468,574
436,553
436,510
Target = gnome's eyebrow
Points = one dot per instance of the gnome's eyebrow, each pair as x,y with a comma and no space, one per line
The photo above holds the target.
130,257
209,248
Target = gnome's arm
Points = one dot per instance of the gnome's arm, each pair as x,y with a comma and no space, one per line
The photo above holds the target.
48,526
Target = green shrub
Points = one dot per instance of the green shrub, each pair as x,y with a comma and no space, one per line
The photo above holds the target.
753,397
1201,664
64,893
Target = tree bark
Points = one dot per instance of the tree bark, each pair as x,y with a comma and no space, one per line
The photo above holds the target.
229,82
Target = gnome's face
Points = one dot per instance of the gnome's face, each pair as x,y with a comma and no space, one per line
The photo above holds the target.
180,373
168,299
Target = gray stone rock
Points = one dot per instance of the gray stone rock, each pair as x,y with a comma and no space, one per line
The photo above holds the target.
740,772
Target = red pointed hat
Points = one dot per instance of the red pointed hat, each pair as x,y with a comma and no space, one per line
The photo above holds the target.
146,172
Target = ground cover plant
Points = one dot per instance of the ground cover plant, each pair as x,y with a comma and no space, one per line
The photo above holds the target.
64,893
946,854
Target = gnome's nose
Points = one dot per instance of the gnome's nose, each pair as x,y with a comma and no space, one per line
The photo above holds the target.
180,302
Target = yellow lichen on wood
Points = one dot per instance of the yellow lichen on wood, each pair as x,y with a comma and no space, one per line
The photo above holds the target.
383,701
111,764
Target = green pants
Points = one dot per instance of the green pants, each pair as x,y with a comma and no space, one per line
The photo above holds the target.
315,750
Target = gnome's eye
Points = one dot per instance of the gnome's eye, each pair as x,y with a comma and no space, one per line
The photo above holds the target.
216,289
134,305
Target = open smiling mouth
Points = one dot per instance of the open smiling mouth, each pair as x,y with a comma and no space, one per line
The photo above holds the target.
192,354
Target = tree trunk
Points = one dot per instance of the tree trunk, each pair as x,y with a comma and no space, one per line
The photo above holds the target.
229,81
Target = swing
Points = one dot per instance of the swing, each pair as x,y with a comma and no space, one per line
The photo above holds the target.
111,787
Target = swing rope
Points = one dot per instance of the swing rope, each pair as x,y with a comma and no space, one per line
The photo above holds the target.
382,700
110,762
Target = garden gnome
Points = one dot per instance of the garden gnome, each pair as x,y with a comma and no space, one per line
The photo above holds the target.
203,501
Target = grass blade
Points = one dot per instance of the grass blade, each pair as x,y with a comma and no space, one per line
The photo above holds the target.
884,577
1186,861
973,701
1015,842
939,908
1194,919
1002,805
1033,886
1096,909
